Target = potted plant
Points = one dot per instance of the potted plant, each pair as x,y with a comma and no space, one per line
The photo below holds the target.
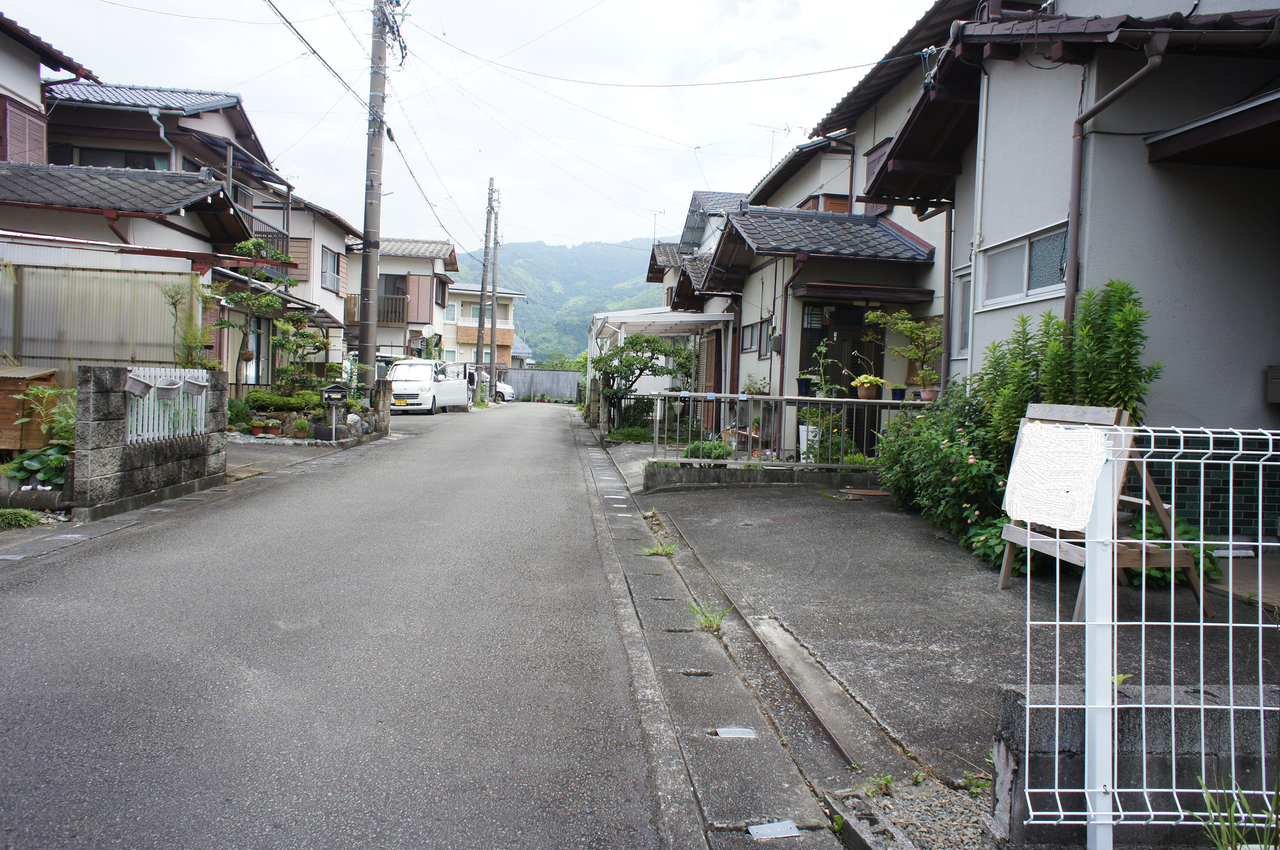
257,427
756,385
923,348
868,386
804,385
273,427
300,427
898,392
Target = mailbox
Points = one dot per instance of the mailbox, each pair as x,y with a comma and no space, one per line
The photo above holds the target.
334,394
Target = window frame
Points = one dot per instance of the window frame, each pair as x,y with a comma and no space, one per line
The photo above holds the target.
960,317
750,340
1025,293
451,313
325,254
765,347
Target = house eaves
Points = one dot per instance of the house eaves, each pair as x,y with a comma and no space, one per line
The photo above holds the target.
932,30
49,56
420,249
701,206
790,165
665,255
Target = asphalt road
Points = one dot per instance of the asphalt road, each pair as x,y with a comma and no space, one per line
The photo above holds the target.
406,645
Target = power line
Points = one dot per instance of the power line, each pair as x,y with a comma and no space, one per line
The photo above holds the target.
423,192
497,64
288,23
201,17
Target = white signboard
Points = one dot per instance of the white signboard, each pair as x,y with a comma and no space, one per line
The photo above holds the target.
1054,475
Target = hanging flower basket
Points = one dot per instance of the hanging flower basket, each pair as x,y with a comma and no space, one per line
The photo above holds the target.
194,386
137,386
168,388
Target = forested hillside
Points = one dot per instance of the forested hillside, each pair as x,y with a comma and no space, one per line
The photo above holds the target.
565,286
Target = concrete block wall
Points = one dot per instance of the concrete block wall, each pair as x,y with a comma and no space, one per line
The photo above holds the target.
112,476
1150,744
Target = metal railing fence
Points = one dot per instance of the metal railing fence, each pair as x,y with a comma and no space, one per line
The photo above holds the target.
1169,690
751,430
153,417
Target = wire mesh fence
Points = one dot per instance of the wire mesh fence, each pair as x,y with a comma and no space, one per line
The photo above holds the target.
1151,694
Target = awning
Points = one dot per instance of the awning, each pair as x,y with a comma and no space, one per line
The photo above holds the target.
838,291
658,322
1246,134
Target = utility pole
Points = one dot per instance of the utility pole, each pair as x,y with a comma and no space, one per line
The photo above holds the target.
368,340
484,274
493,307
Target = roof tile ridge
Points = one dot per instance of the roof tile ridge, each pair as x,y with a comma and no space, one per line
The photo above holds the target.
133,87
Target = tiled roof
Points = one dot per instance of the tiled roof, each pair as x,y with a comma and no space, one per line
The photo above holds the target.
143,97
123,189
520,348
475,287
50,57
666,255
420,248
717,202
779,231
697,267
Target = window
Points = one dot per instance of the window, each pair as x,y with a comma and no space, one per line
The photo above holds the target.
961,306
765,340
475,312
24,135
330,277
451,312
450,354
750,336
392,284
442,291
875,158
145,160
1026,266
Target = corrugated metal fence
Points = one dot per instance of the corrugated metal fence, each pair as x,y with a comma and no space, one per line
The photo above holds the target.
154,417
61,317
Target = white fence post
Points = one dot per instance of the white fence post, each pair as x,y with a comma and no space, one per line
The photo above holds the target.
1099,683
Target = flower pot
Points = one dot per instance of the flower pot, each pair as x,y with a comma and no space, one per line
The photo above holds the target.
928,395
194,386
804,386
137,386
273,430
168,388
257,430
868,391
898,394
246,356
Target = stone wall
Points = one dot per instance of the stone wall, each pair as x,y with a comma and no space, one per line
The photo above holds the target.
112,476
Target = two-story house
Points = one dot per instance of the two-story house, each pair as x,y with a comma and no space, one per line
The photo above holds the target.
413,292
1089,140
462,319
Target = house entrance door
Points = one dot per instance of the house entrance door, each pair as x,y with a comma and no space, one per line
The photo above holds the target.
854,346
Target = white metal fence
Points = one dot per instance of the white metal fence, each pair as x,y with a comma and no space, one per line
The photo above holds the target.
1156,692
174,405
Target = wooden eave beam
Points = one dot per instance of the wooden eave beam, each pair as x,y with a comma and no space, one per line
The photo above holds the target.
922,166
1002,50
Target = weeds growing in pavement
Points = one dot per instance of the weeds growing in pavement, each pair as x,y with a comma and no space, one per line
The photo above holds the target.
661,549
707,615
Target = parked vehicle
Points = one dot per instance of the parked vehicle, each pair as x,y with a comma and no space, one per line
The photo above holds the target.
503,391
427,386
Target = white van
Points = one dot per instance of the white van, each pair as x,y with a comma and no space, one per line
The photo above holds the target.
427,386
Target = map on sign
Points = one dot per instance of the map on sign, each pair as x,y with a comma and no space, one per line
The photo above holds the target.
1054,475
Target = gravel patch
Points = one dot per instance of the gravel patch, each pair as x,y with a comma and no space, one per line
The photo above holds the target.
936,817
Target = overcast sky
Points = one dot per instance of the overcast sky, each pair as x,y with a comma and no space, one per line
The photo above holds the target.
573,162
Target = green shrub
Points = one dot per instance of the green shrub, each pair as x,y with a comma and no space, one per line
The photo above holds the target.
951,460
267,400
18,518
238,410
638,412
632,434
46,466
709,449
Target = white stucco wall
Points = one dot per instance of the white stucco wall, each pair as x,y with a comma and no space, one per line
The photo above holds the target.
827,173
20,74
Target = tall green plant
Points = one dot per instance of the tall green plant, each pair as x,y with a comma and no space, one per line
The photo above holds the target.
924,342
251,304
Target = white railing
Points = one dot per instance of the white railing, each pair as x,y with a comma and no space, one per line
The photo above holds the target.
163,413
469,322
1166,684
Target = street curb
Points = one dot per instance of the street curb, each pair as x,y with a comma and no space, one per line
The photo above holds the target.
680,821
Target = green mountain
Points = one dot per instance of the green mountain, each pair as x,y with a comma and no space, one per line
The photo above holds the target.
565,286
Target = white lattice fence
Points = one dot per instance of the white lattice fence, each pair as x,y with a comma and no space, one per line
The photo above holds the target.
174,405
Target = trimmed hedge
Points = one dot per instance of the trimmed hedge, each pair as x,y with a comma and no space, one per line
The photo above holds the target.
267,400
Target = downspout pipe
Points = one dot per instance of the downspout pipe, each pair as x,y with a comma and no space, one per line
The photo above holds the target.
1155,48
801,259
173,151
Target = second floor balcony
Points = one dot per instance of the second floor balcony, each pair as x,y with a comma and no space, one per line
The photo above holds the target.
393,311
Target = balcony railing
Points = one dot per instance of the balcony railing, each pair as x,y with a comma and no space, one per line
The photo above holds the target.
393,310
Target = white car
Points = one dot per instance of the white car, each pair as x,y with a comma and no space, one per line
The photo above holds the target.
427,386
503,391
